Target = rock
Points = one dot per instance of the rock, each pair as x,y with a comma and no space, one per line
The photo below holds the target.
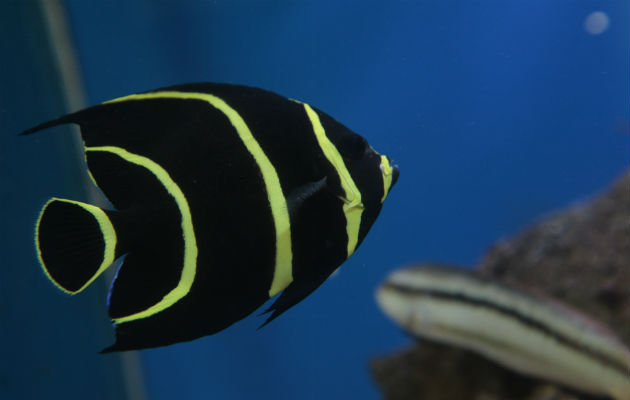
580,256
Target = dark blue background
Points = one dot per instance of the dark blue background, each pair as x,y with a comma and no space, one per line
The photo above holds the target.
496,112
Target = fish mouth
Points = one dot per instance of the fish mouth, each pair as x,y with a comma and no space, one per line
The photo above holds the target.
395,171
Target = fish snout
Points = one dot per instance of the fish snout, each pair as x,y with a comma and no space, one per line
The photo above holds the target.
395,172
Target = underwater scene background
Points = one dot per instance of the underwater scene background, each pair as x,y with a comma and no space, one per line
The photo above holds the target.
497,113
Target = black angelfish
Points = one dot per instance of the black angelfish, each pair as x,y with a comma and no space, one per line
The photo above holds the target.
225,196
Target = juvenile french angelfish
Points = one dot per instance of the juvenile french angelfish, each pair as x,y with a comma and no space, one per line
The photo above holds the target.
224,197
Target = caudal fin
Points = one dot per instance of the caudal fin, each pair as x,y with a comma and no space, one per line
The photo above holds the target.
75,243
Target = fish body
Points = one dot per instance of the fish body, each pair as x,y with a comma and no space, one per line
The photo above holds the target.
224,196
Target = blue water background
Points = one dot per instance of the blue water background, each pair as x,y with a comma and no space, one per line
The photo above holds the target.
496,112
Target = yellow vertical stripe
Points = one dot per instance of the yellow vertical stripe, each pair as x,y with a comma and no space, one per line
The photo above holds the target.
189,267
353,208
283,274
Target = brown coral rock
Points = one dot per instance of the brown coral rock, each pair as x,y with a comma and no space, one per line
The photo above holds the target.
580,256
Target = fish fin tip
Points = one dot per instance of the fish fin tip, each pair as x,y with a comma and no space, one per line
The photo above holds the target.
69,118
267,311
291,295
273,316
108,350
115,348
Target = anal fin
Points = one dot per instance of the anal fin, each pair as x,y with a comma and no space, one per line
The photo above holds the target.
293,294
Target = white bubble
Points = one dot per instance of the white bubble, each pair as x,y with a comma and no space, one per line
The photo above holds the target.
596,22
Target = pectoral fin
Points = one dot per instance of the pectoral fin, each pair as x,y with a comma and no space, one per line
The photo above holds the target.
301,194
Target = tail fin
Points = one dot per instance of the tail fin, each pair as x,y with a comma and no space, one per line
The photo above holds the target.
75,243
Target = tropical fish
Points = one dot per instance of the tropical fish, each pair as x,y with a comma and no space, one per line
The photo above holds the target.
224,197
524,332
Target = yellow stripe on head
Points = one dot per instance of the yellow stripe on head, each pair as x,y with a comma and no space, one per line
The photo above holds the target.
387,172
353,207
283,273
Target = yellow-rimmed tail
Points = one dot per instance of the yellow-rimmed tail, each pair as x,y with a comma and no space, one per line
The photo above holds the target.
75,243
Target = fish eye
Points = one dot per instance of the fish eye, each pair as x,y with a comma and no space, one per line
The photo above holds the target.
353,146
